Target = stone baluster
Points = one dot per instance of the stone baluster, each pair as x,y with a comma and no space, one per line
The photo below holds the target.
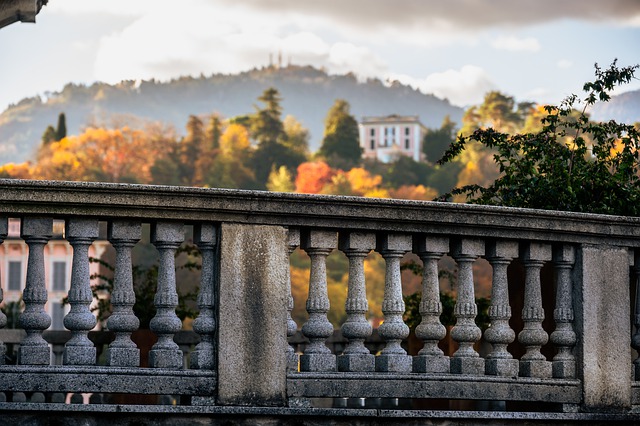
500,362
317,356
533,336
356,357
466,360
79,350
564,336
166,236
123,352
34,350
4,227
430,359
293,241
393,358
203,356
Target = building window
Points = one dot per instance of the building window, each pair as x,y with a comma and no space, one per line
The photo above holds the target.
406,131
57,316
393,131
59,276
373,132
373,144
15,275
407,144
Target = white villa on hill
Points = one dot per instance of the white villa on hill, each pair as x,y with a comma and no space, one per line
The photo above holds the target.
386,138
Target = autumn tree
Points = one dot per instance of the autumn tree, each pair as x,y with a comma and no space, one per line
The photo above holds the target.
341,143
280,180
312,177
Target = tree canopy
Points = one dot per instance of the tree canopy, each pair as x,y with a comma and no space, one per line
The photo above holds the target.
341,143
570,164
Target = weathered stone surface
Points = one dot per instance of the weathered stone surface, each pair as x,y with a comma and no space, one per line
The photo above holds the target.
601,274
253,322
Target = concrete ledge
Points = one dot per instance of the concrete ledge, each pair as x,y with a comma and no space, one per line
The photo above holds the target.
150,202
449,386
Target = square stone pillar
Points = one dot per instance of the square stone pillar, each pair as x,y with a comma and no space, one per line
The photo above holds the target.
252,325
601,277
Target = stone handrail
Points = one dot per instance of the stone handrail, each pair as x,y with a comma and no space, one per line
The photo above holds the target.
245,237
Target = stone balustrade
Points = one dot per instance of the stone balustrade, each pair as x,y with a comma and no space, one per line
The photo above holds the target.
564,341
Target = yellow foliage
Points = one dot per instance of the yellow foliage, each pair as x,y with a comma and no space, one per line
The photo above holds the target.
414,192
234,140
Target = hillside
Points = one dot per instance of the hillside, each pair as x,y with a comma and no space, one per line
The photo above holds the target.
308,94
624,108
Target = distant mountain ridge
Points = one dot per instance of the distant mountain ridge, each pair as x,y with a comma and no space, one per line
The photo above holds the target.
307,94
624,108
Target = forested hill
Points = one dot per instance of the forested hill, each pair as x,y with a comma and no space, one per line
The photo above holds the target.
307,94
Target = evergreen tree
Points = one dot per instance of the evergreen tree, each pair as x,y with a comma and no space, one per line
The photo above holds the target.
213,133
190,149
436,141
266,125
268,130
49,135
341,143
61,130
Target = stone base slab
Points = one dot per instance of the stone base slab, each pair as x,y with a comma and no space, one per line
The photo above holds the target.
535,368
123,357
431,364
564,369
79,355
165,358
356,362
34,355
396,363
502,367
317,362
467,365
201,360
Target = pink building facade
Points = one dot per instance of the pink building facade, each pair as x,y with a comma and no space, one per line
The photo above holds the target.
58,255
387,138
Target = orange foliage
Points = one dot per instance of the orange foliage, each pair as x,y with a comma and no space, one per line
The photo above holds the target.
312,177
112,155
16,171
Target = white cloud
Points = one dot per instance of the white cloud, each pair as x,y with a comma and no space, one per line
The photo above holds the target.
515,44
564,64
463,87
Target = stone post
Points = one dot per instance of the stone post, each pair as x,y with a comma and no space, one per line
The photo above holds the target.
252,319
166,236
292,357
393,358
500,362
430,359
533,336
34,350
601,303
356,357
123,352
4,227
317,356
564,337
79,350
203,357
466,360
635,340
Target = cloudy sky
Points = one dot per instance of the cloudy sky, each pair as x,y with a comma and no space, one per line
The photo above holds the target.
538,50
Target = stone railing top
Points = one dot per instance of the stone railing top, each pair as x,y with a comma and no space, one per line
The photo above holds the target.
151,202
